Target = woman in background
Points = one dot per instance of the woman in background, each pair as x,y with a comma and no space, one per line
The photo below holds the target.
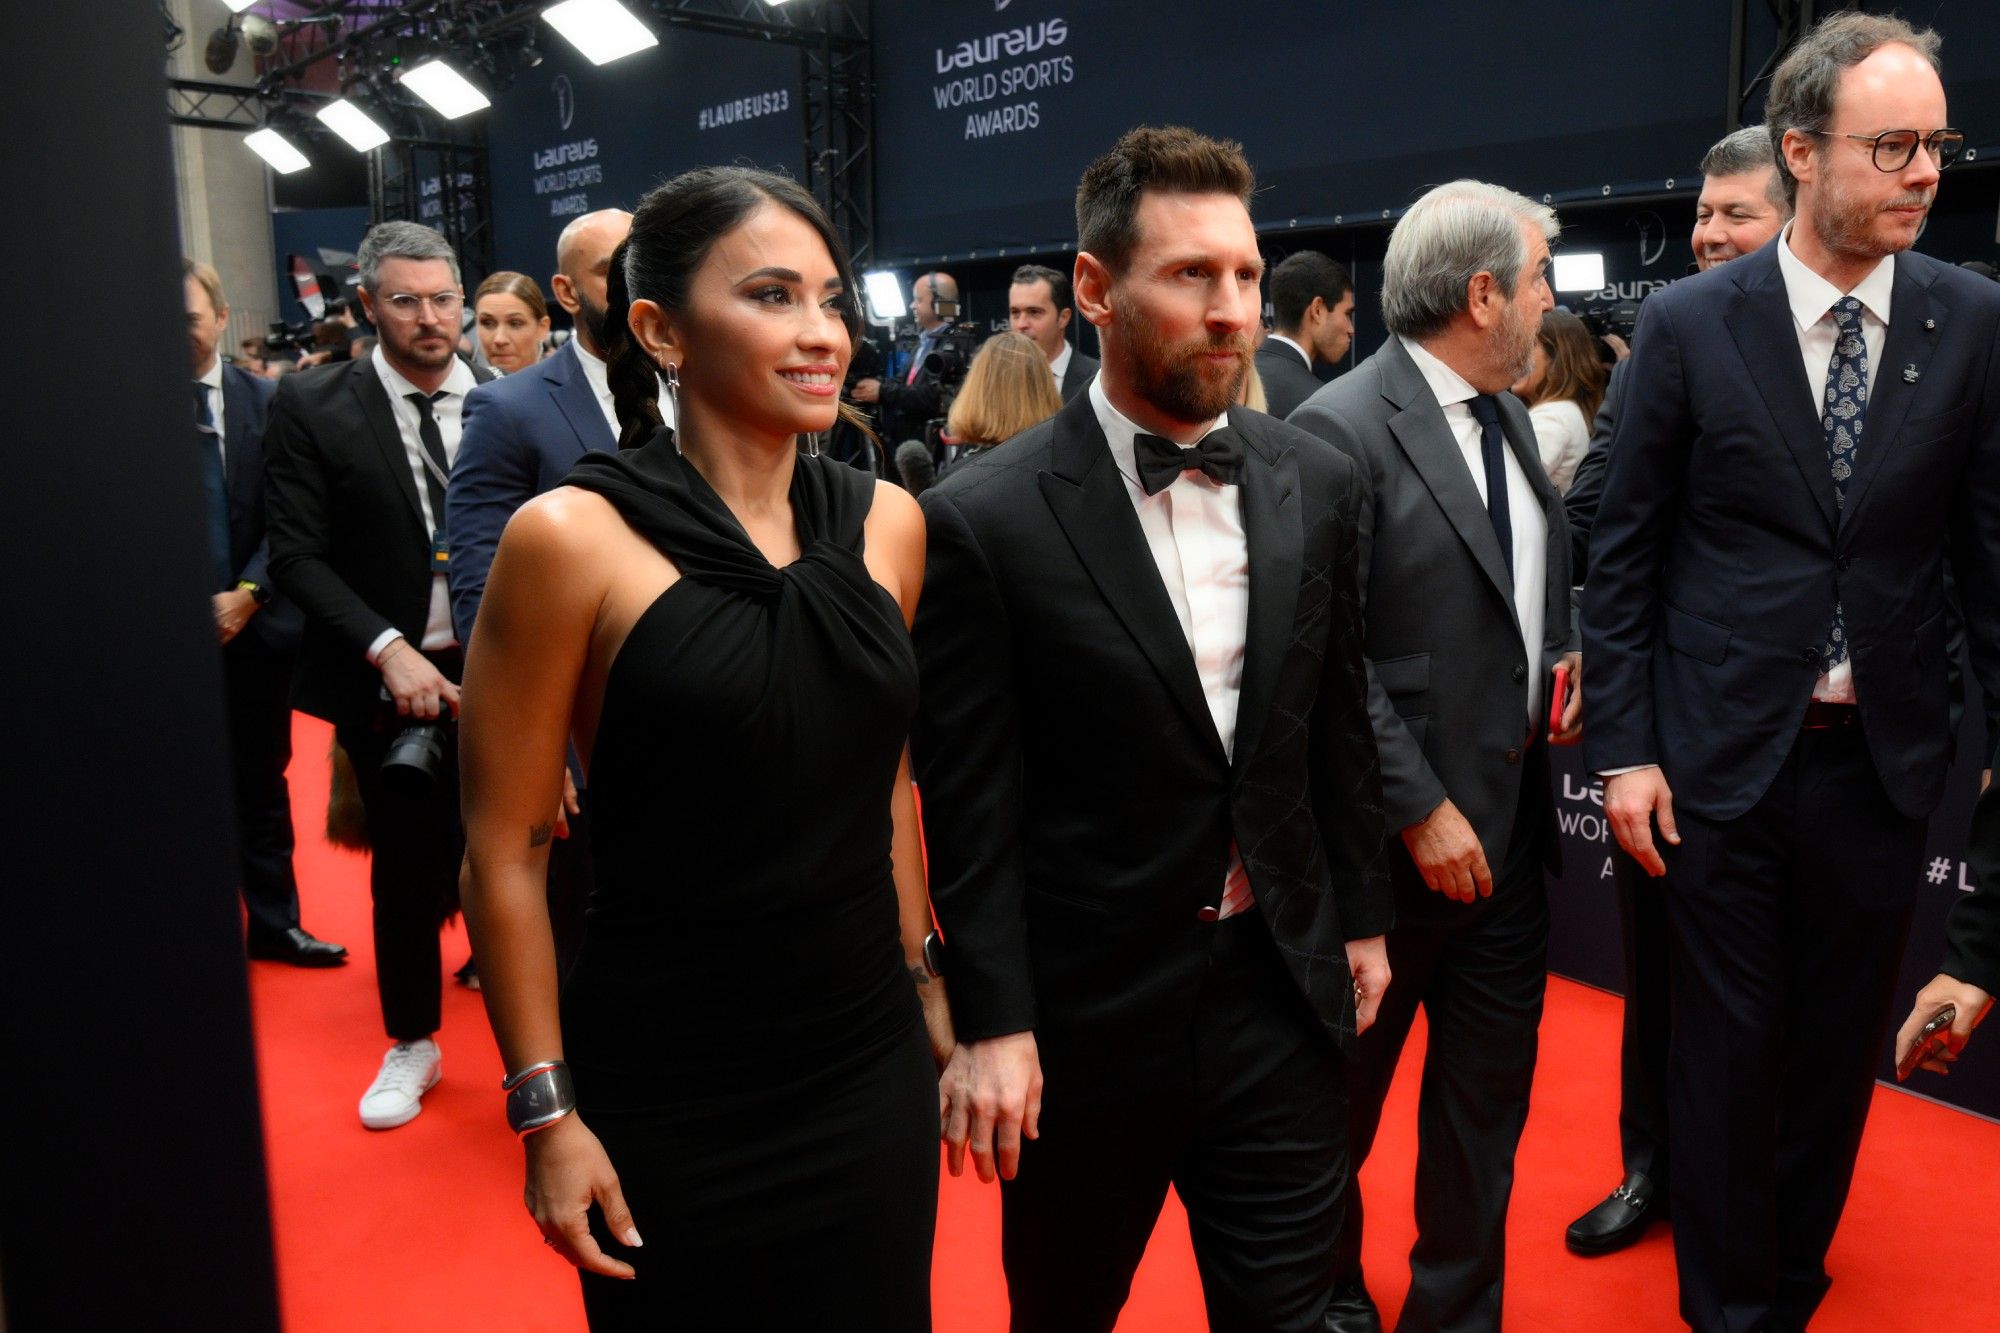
512,321
1007,389
1562,391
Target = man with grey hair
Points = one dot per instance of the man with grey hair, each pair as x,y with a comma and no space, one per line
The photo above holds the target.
1808,432
1741,207
356,456
1464,573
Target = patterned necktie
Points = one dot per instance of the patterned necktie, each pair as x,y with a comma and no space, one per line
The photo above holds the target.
1842,417
214,487
1493,459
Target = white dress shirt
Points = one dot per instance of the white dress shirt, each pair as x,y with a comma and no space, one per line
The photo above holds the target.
1194,530
213,380
450,414
1811,299
1060,366
1524,513
1304,355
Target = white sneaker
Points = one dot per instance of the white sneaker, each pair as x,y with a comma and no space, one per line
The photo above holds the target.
409,1070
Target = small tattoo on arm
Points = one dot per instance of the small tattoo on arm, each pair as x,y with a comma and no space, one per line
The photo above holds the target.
540,834
922,974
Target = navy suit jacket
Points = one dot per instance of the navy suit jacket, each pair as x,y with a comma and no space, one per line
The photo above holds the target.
246,405
523,433
1718,552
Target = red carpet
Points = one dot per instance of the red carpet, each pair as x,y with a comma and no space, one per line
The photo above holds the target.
422,1227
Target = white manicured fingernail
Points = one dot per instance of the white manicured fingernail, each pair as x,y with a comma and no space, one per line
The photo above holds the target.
632,1238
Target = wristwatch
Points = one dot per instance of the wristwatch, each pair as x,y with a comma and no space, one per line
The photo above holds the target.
934,953
258,592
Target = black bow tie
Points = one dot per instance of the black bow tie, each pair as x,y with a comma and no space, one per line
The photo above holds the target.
1219,454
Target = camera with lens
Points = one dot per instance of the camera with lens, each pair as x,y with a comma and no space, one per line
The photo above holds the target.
949,360
416,755
285,337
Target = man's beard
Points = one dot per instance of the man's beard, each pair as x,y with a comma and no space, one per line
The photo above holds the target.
1845,224
1174,378
404,343
1517,343
590,320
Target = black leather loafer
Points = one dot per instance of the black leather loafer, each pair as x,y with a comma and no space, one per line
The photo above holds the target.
298,948
1620,1220
1351,1310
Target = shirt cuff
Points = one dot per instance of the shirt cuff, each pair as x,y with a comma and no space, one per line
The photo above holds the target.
1629,768
382,640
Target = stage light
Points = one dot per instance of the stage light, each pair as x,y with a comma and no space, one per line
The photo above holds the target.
449,93
276,149
353,124
238,6
885,296
1579,273
603,30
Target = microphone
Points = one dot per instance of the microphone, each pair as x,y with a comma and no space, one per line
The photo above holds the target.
914,465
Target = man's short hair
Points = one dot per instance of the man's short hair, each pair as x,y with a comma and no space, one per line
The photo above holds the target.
1170,159
208,280
1057,280
1746,150
1803,90
1298,279
1451,234
400,240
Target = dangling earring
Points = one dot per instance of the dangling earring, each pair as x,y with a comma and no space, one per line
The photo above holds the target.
674,400
812,445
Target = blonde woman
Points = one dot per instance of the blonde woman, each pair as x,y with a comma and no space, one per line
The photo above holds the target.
1007,389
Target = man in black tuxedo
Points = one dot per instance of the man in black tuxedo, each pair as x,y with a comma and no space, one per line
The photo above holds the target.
1465,581
357,455
1741,207
259,630
1804,431
1312,314
1151,796
1038,308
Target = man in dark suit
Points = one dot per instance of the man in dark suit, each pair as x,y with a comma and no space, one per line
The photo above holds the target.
1466,594
1038,308
1765,623
1152,799
1312,313
357,455
1742,205
259,630
523,434
910,395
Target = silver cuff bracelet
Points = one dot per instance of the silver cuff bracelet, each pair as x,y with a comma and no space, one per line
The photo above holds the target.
538,1096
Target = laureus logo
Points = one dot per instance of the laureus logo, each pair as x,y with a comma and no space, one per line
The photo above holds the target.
565,100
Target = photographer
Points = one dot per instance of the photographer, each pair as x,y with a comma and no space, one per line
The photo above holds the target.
356,460
914,390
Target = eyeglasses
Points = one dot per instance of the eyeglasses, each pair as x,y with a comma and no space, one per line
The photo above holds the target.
404,305
1894,149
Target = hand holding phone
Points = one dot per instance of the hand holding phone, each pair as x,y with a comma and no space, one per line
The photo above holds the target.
1558,699
1929,1043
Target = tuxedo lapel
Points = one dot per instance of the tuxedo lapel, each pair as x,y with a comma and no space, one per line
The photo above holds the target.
1761,322
1916,315
1274,530
373,400
1426,440
570,388
1089,501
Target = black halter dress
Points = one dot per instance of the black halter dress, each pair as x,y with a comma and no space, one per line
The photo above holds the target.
744,1037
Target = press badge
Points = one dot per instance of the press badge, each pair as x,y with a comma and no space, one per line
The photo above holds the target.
440,554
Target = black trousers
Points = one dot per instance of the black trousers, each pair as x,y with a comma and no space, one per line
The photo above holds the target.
1642,1085
258,681
1788,926
1241,1113
418,843
1481,980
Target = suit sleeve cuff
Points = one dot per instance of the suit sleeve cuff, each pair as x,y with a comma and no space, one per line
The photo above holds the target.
382,641
1621,772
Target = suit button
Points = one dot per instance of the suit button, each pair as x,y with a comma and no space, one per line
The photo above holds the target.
1520,672
1810,656
1843,563
1209,914
1513,756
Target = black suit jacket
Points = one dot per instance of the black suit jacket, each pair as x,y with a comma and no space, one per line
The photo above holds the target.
1079,806
246,405
1078,374
348,541
1586,488
1288,380
1718,552
1447,673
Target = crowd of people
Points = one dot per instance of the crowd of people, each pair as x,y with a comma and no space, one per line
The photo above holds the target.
1229,685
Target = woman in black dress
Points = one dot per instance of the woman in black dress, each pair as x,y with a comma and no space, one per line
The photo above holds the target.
720,623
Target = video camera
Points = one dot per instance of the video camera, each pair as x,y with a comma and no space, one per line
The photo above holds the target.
283,337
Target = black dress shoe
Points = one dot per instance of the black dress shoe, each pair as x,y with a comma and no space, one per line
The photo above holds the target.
298,948
1620,1220
1351,1310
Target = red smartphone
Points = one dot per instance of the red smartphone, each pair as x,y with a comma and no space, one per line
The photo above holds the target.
1559,700
1928,1043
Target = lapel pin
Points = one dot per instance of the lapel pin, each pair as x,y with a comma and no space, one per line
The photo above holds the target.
1930,324
1909,374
